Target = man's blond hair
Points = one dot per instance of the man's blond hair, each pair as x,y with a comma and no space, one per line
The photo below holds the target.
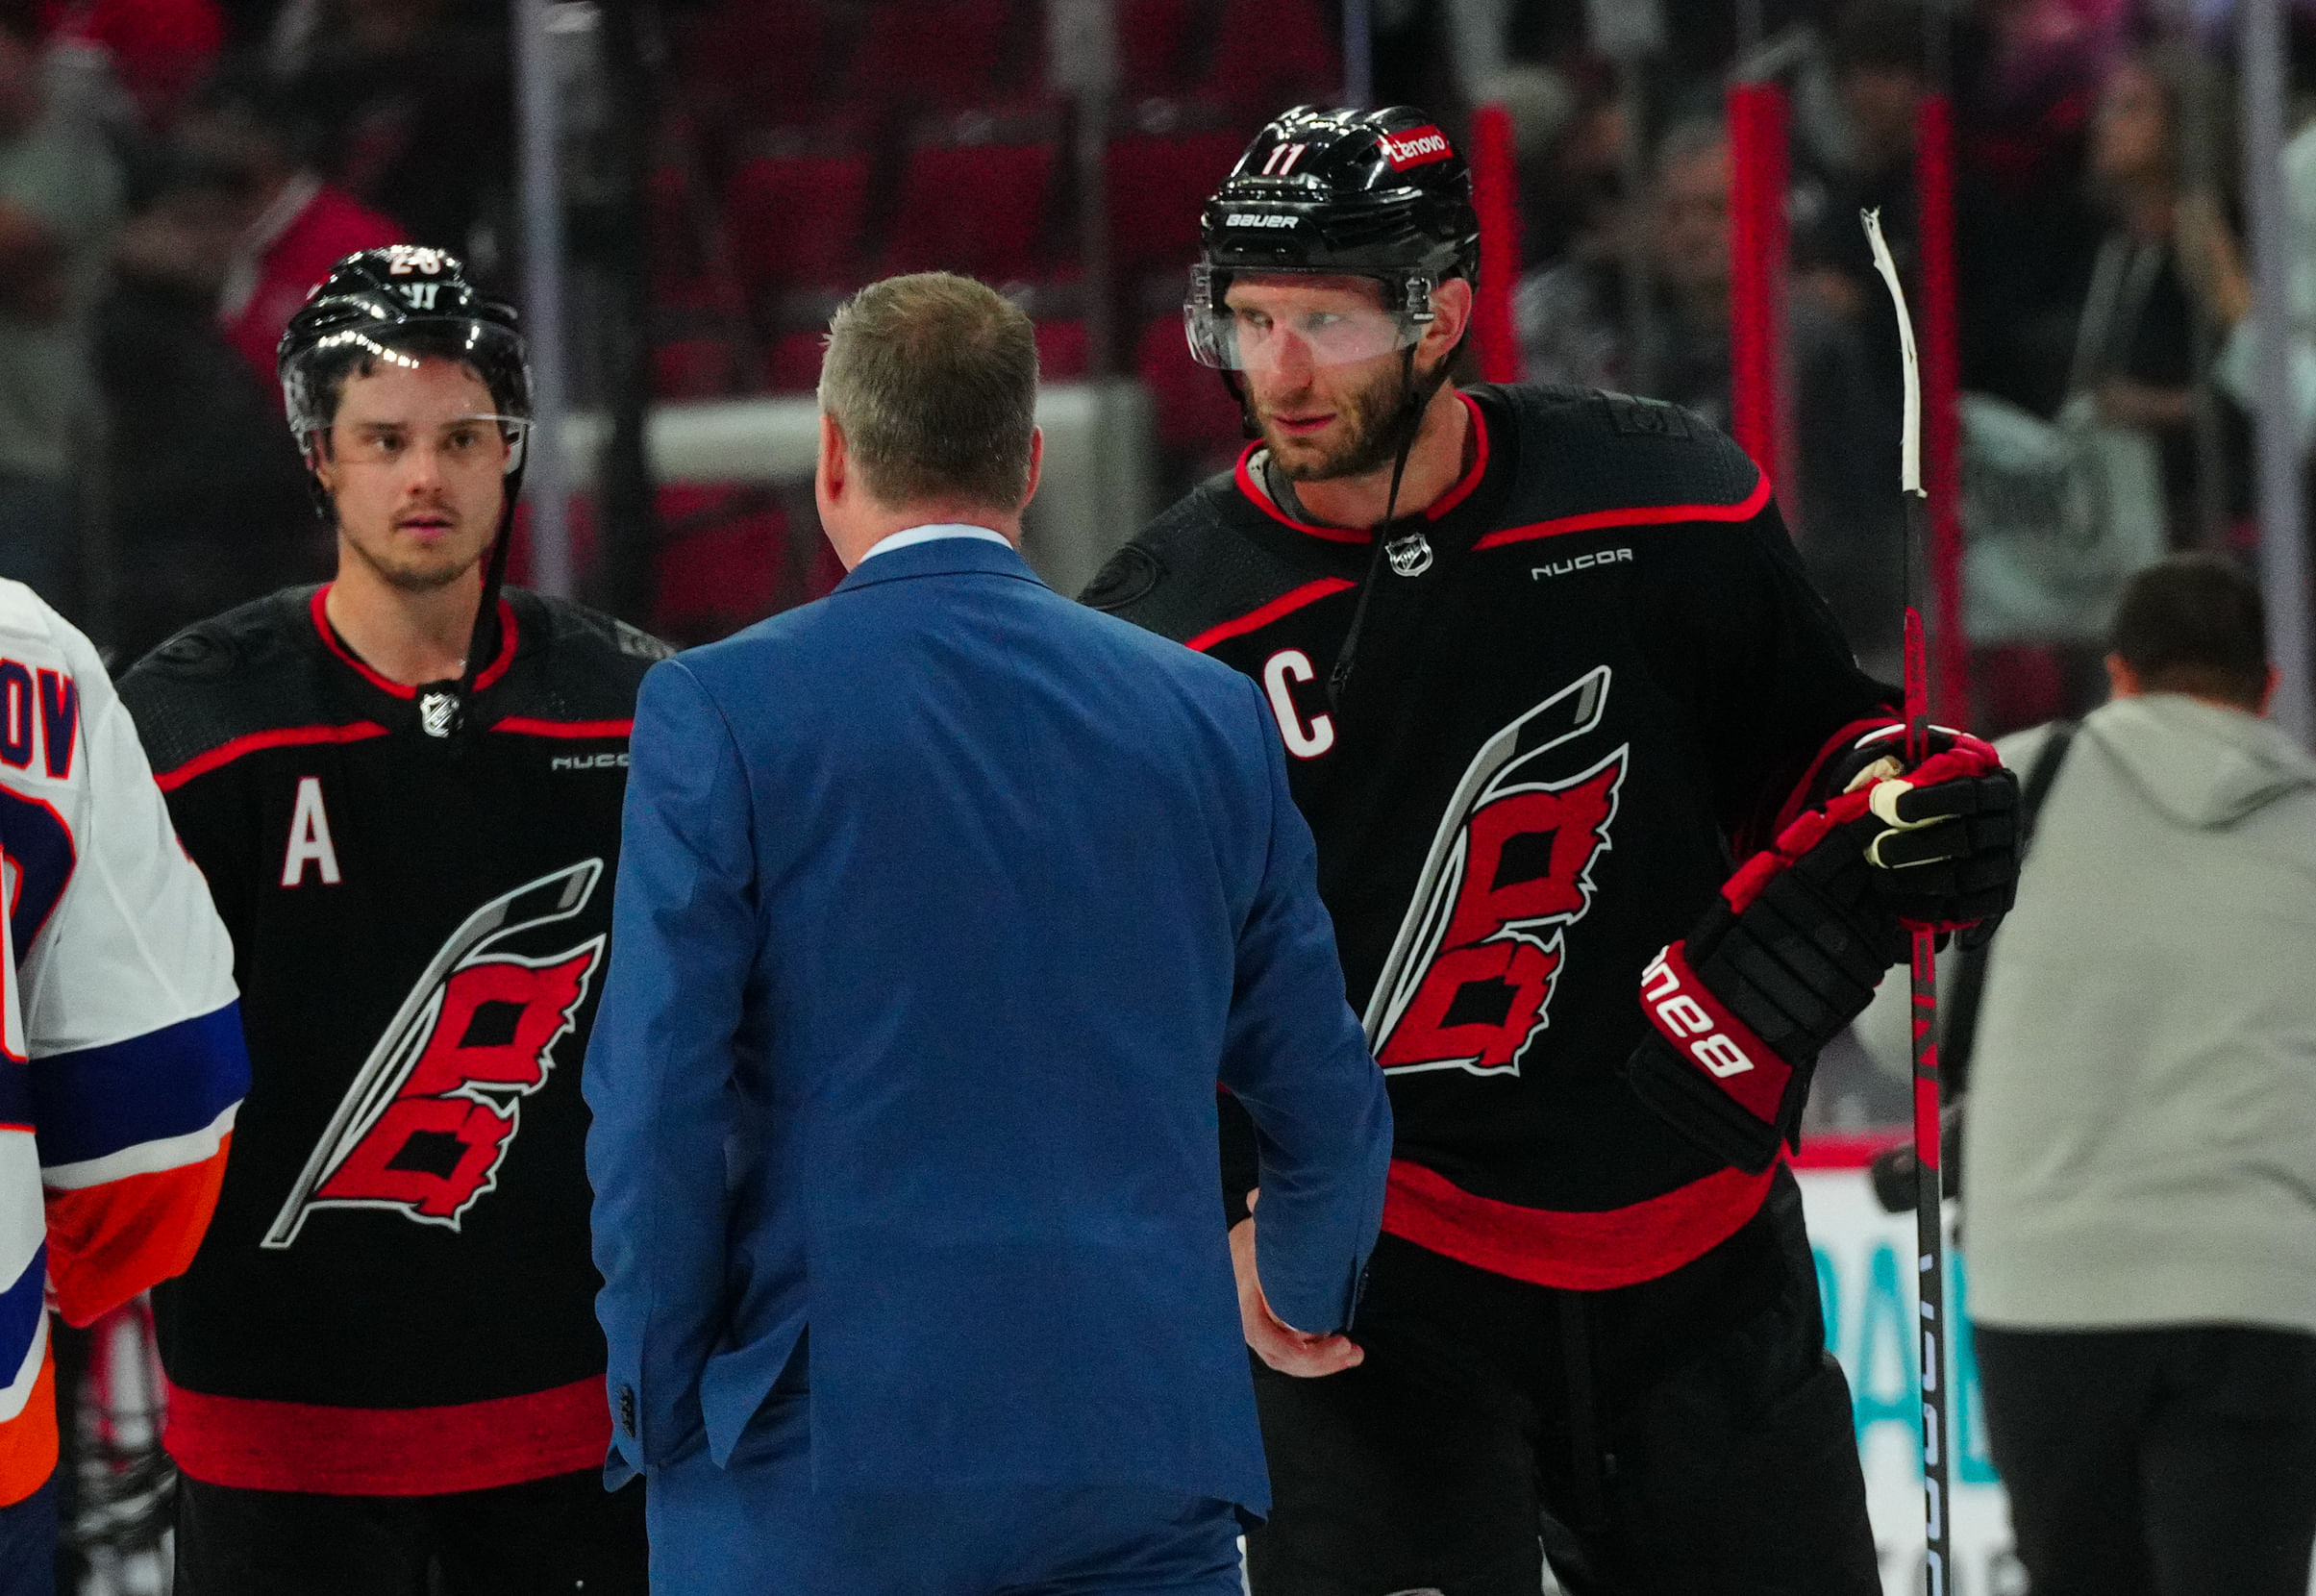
932,379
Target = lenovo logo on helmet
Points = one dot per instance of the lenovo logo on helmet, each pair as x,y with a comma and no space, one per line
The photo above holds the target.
1416,147
1249,218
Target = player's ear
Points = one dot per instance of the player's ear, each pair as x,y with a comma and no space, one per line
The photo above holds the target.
1450,318
1451,314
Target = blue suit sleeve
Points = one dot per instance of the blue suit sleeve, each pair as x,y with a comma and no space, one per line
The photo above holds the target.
683,939
1296,1059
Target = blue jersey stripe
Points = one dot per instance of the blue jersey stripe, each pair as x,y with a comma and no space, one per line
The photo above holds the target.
20,1311
166,1082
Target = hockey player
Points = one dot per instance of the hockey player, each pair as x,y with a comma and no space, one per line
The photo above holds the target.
405,789
1548,671
124,1060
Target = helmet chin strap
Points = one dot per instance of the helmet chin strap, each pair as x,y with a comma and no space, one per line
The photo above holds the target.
1413,397
483,641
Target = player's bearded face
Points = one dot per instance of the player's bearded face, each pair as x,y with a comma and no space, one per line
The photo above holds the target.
1323,371
416,468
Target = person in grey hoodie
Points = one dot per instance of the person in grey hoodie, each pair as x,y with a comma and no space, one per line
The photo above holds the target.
2139,1209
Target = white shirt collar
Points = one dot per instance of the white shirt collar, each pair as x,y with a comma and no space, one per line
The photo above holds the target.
927,534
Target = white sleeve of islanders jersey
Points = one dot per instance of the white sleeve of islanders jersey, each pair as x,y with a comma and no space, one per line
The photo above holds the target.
124,1060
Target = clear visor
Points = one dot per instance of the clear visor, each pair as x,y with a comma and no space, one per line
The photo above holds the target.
456,439
1260,337
487,348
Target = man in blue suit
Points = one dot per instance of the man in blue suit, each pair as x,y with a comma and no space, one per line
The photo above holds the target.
943,905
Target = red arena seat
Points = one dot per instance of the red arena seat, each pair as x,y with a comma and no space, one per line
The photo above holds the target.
721,554
1153,37
1158,185
931,54
693,369
792,363
1064,351
1195,415
795,221
745,59
975,209
1272,54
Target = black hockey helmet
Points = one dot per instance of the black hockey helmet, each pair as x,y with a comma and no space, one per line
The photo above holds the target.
400,305
397,304
1337,193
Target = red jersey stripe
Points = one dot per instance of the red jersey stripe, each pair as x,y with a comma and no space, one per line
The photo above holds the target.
1643,516
1462,489
1576,1252
262,1445
280,737
1245,479
1255,620
331,640
532,727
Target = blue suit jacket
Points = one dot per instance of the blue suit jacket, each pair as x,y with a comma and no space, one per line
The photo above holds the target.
942,905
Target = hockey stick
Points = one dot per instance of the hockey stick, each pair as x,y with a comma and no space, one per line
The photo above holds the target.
1930,1219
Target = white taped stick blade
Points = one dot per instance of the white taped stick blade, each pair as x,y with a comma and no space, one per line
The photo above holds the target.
1909,470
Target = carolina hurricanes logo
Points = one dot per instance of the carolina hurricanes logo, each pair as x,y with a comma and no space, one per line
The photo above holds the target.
1471,975
434,1108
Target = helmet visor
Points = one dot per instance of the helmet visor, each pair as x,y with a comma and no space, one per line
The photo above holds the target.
314,377
1263,335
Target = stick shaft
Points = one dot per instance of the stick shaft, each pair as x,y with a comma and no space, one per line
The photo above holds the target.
1929,1218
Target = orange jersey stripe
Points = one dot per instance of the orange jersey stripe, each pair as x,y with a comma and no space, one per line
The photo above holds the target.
28,1442
106,1243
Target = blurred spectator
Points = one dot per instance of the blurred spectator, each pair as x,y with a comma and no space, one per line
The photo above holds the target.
2027,75
242,161
159,49
2215,269
1879,85
1571,188
2140,1199
410,104
1575,327
208,498
2135,343
59,200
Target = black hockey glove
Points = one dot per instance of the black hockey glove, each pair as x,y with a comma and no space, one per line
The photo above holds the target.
1952,855
1792,950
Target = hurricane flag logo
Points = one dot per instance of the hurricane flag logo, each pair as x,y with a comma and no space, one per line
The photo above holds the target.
433,1110
1470,979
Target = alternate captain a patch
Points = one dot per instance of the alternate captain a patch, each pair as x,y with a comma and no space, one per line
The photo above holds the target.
433,1110
1471,975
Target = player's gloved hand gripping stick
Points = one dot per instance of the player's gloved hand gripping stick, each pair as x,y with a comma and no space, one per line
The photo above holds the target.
1915,831
1799,938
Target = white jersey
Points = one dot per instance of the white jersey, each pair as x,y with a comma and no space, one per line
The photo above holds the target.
123,1056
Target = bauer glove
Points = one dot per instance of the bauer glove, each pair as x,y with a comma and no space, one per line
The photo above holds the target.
1800,937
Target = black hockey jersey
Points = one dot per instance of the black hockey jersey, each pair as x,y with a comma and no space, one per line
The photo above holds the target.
1604,677
396,1296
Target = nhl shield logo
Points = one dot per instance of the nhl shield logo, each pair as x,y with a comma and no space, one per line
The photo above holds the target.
1409,555
437,711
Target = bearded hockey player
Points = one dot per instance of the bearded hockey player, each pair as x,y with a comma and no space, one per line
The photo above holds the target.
405,789
1613,834
124,1055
